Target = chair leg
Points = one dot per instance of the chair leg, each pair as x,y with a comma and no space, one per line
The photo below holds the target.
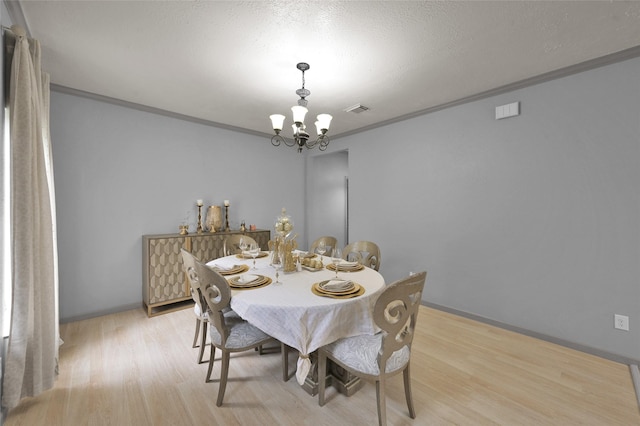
285,361
195,336
322,376
407,392
203,342
382,403
224,372
212,356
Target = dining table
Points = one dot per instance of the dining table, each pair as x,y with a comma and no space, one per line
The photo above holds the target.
293,311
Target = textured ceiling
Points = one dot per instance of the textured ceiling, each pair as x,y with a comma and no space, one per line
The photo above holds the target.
233,62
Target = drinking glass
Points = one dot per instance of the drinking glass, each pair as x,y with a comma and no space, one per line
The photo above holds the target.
336,258
322,248
254,250
242,244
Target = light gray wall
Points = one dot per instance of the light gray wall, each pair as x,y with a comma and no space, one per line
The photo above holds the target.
326,196
121,173
532,221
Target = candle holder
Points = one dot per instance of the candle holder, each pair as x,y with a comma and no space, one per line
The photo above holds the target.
226,218
199,229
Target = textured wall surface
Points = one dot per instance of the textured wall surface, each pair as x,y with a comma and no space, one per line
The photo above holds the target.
121,173
532,221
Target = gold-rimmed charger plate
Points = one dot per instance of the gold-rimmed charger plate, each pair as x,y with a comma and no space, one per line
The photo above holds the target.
248,256
350,289
237,269
345,268
357,291
236,284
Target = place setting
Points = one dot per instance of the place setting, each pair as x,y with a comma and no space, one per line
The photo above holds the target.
338,264
228,270
345,266
250,251
248,281
247,255
337,288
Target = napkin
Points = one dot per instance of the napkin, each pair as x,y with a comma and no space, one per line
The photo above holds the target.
336,285
247,278
348,264
222,267
222,264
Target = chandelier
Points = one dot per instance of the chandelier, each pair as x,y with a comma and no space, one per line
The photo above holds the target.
300,135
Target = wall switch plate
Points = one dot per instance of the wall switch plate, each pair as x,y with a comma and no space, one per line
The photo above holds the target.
621,322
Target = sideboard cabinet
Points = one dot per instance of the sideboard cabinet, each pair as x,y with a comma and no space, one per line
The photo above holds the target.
164,284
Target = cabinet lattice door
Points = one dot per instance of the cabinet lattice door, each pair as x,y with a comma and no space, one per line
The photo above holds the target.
164,284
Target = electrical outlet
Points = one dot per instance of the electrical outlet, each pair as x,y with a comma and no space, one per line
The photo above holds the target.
621,322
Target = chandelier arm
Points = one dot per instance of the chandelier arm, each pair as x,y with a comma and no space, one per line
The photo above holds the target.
311,144
277,139
324,142
289,142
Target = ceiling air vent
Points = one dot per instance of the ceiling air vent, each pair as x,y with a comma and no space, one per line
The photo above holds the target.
357,108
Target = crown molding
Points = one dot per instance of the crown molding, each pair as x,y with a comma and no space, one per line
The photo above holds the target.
602,61
145,108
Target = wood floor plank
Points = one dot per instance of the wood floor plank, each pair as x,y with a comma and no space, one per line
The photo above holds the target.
127,369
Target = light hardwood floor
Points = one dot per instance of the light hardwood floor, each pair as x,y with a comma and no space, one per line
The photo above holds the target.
127,369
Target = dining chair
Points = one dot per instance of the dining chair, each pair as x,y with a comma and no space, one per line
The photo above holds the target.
231,244
366,253
379,356
199,308
330,243
227,333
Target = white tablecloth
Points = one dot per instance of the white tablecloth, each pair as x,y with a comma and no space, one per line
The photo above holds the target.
291,313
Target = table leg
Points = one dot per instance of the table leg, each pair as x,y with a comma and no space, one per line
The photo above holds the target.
344,382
